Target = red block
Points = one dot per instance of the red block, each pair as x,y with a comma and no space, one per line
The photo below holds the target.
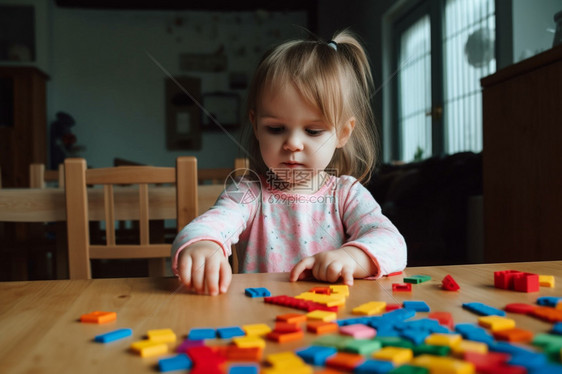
401,287
483,361
519,308
448,283
286,327
390,307
444,318
526,282
504,279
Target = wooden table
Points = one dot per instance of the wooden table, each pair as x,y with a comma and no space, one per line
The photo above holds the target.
40,332
48,204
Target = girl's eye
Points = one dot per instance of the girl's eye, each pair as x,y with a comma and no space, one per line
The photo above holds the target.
275,129
314,132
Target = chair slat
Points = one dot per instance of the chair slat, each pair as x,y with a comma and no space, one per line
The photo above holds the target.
109,204
129,251
143,219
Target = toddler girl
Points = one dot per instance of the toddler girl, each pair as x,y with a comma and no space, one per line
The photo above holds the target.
305,211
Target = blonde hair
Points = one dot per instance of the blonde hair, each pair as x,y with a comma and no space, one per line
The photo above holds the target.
337,79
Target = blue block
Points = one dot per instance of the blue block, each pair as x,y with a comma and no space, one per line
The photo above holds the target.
415,336
557,328
418,306
549,368
374,366
257,292
483,309
243,369
508,348
113,335
316,355
200,334
178,362
549,301
230,332
399,314
528,360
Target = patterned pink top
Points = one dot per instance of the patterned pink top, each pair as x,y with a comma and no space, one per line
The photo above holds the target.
274,230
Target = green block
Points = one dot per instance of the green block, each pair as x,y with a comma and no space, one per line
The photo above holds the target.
435,350
409,369
394,341
548,341
415,279
336,341
362,346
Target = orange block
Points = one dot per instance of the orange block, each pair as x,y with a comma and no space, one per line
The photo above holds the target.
547,313
513,335
292,318
321,327
233,353
345,361
284,327
98,317
285,337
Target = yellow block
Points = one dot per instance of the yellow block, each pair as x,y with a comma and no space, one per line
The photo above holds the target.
370,308
249,342
443,365
340,288
321,315
469,346
304,369
284,360
546,280
496,323
328,300
149,348
257,329
161,335
396,355
448,340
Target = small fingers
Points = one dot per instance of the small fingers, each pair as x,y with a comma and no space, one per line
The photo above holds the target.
184,271
298,271
212,269
225,276
347,275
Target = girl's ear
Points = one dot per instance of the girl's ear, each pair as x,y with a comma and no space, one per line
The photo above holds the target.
345,132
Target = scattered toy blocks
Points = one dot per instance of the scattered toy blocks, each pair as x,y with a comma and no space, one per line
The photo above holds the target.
401,287
448,340
345,361
316,355
416,279
230,332
291,318
519,308
321,327
113,335
340,288
249,342
547,314
321,315
514,335
396,355
443,364
516,280
257,292
283,337
448,283
98,317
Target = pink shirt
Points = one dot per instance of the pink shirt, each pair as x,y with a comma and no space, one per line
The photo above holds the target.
273,230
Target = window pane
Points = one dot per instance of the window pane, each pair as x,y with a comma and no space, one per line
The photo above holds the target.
468,45
414,85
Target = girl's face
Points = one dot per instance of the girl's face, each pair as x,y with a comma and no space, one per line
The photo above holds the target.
295,140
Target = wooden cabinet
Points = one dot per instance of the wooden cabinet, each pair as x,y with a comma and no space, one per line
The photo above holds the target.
23,123
522,160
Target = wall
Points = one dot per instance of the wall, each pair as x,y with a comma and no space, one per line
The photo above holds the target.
102,76
533,26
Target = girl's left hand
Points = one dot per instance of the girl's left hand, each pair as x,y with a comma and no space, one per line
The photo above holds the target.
330,266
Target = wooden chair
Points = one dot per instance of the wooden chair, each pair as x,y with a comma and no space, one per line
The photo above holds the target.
78,177
38,176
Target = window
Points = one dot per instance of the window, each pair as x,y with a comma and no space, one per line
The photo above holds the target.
442,49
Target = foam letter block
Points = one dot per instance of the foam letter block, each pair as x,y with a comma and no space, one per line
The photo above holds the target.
178,362
448,283
418,306
483,309
148,348
257,292
321,315
345,361
526,282
546,281
396,355
98,317
257,329
161,336
249,342
230,332
496,323
316,355
370,308
401,287
358,331
200,334
415,279
113,336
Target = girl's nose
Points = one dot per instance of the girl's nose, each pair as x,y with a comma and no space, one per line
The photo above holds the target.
293,142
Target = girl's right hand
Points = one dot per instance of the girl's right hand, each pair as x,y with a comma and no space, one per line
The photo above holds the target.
204,269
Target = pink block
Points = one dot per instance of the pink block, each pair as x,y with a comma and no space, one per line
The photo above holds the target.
358,331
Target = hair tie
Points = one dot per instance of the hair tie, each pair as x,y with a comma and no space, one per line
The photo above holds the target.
333,44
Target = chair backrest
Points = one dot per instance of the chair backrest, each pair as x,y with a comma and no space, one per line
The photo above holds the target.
38,176
78,177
